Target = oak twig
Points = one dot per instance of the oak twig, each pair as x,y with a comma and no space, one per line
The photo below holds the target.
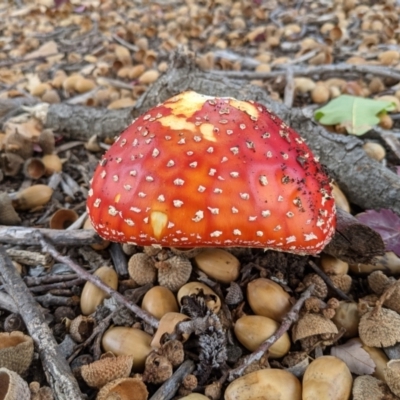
55,366
46,246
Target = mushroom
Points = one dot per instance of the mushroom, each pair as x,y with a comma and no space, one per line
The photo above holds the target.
201,171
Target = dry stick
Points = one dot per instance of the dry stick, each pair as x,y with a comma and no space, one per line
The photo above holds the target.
25,236
289,89
145,316
58,373
7,303
384,72
57,285
328,281
170,387
47,279
287,322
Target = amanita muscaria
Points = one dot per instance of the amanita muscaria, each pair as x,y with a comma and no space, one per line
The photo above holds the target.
212,171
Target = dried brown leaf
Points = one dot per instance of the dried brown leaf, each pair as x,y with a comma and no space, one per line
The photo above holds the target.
356,358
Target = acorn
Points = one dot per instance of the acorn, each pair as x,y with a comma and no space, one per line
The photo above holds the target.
327,378
379,358
92,296
218,264
269,383
167,324
388,263
124,341
333,266
123,55
252,330
346,317
83,85
340,198
268,299
303,85
195,396
32,197
374,150
149,76
320,94
121,103
213,302
158,301
52,163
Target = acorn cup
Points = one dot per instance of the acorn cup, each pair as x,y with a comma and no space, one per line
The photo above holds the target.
16,351
11,164
98,373
34,168
213,302
63,218
12,386
167,324
124,389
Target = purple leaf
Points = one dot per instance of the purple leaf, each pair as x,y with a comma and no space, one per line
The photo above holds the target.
59,3
387,224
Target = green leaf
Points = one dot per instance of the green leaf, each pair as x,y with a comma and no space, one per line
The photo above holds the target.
356,114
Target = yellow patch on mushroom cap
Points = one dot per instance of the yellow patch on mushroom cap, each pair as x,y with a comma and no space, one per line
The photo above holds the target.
244,106
158,221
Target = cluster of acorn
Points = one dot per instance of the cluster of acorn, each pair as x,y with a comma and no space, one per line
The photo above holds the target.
16,354
131,348
20,147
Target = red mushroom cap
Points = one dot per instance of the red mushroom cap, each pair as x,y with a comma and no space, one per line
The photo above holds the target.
205,171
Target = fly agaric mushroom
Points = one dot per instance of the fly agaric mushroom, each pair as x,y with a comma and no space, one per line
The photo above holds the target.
200,171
